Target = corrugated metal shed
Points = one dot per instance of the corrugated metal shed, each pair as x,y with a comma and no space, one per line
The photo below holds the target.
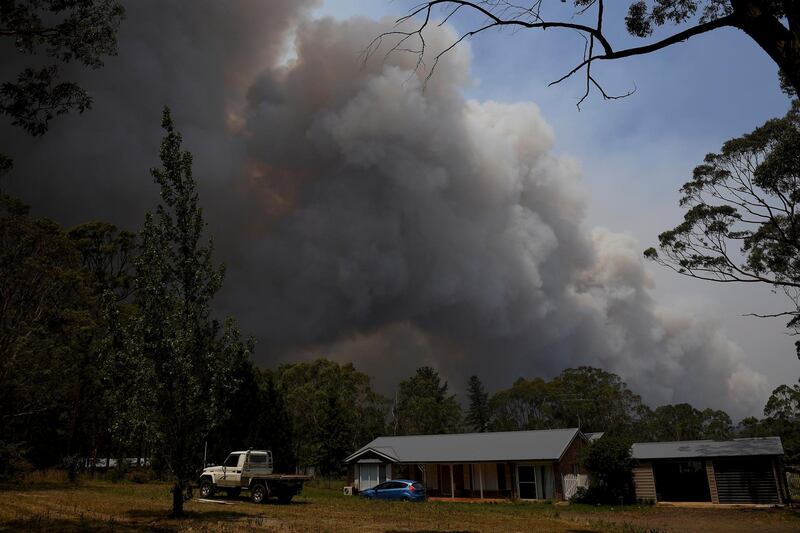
544,445
707,448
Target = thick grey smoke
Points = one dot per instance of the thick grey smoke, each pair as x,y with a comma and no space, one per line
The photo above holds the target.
367,217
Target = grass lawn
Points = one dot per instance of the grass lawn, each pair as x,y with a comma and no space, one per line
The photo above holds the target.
125,506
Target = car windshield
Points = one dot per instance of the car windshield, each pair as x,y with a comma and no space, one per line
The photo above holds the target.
418,486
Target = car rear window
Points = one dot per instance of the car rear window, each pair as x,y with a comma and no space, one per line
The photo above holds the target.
418,486
258,458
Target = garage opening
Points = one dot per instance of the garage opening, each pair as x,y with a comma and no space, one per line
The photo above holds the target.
681,481
746,481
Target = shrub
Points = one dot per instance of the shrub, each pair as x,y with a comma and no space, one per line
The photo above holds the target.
609,463
13,465
141,475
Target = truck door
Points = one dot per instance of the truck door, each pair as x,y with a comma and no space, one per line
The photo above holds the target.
230,476
233,475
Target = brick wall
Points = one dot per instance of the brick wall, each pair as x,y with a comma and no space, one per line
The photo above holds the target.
570,463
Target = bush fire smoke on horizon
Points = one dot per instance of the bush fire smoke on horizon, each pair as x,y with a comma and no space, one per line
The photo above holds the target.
370,215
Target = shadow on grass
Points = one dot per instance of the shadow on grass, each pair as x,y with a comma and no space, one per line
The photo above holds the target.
44,524
429,531
150,515
468,531
35,487
268,501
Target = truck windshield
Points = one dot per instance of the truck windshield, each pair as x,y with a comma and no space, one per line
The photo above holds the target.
232,460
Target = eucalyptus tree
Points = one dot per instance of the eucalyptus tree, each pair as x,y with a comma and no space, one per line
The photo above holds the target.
332,410
742,220
55,32
772,24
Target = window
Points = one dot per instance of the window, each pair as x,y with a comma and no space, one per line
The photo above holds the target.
232,460
260,458
418,486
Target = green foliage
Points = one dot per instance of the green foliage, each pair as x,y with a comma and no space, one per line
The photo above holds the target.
526,405
600,399
47,326
425,407
107,254
588,397
642,18
744,199
259,419
64,31
478,415
684,422
332,410
782,417
609,462
178,365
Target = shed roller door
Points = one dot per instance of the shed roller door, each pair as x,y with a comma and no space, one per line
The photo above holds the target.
745,481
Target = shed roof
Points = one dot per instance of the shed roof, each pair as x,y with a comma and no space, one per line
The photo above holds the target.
707,448
542,445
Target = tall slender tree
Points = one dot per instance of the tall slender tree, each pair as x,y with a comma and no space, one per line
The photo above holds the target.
180,363
478,414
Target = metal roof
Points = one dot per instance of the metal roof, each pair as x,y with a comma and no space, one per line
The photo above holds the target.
543,445
707,448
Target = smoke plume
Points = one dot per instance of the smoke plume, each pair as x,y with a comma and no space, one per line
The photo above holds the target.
370,216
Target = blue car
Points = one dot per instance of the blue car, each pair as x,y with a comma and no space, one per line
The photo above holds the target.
396,489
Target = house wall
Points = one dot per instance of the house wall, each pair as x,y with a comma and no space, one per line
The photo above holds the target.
570,463
740,486
644,482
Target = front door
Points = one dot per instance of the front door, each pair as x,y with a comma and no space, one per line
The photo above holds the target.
527,482
368,475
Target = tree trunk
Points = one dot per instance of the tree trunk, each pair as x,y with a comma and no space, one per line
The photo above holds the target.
177,500
782,44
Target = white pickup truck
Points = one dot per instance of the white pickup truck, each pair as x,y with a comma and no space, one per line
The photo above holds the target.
250,470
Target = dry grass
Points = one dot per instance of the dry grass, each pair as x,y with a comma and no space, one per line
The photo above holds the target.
105,506
40,477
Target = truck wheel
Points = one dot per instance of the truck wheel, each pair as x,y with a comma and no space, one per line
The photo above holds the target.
233,493
285,497
206,489
258,493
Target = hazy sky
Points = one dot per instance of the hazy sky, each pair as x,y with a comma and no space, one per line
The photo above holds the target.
481,225
635,153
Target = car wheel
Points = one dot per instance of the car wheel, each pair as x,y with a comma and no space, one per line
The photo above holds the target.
206,489
258,493
233,493
406,499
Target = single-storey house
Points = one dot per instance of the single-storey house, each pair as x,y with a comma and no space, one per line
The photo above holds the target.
529,465
735,471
